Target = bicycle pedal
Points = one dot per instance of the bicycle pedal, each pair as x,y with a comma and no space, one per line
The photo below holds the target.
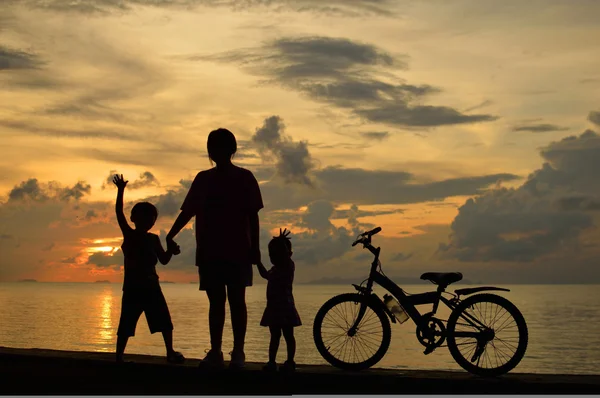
428,350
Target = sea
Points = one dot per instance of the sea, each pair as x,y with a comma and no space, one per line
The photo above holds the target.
563,322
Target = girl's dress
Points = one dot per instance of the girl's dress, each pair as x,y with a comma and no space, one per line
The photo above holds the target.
281,308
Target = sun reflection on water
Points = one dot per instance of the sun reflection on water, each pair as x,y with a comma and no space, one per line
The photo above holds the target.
106,330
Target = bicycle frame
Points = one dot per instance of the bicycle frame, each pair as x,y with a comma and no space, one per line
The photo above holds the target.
409,302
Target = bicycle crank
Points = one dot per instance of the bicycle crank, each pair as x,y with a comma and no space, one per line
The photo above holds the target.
432,336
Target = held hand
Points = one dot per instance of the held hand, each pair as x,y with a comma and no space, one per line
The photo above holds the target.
119,181
173,247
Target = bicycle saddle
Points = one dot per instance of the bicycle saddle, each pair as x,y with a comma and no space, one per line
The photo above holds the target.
442,278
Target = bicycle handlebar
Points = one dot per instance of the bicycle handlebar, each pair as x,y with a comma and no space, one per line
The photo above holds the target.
366,235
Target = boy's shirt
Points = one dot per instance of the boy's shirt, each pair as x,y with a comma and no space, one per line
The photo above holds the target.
140,260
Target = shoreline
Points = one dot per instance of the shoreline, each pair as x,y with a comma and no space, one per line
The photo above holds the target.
42,371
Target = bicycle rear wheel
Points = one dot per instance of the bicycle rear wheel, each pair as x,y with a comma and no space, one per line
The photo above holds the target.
507,344
360,351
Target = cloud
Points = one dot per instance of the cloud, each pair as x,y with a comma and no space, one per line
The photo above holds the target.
34,129
146,179
583,203
29,189
547,214
32,190
105,260
352,8
479,106
376,135
323,241
349,75
539,128
594,117
293,160
14,59
353,213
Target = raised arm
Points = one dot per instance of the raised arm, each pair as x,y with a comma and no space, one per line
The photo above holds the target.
121,184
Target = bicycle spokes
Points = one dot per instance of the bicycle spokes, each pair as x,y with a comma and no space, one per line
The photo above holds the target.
351,344
492,340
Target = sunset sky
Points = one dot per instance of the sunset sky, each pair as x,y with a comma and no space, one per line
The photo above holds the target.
467,130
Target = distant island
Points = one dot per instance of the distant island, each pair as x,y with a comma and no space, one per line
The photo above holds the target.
27,280
399,280
103,281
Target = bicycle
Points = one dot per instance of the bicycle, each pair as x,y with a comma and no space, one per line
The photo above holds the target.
474,324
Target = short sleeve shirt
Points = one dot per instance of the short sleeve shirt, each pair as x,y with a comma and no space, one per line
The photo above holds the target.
222,201
140,260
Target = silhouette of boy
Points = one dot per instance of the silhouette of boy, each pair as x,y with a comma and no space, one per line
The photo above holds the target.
141,289
225,200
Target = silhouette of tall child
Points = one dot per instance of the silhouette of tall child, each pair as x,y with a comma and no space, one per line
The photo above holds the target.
225,200
141,289
280,315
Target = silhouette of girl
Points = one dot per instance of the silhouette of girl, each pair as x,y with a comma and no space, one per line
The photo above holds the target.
225,200
280,315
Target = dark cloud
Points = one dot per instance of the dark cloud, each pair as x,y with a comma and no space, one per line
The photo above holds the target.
65,133
323,241
14,59
32,190
317,215
354,8
293,161
353,213
376,135
584,203
76,192
372,187
545,215
594,117
539,128
479,106
146,179
29,189
90,215
105,260
349,75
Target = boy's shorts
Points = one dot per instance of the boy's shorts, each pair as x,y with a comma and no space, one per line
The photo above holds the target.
149,301
219,274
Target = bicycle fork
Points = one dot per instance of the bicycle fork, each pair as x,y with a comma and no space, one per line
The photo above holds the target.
359,317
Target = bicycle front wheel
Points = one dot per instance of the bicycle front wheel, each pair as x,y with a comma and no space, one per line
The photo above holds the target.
506,331
351,352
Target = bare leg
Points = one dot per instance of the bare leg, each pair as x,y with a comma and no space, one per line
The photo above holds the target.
121,344
239,316
216,316
274,344
168,338
290,341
